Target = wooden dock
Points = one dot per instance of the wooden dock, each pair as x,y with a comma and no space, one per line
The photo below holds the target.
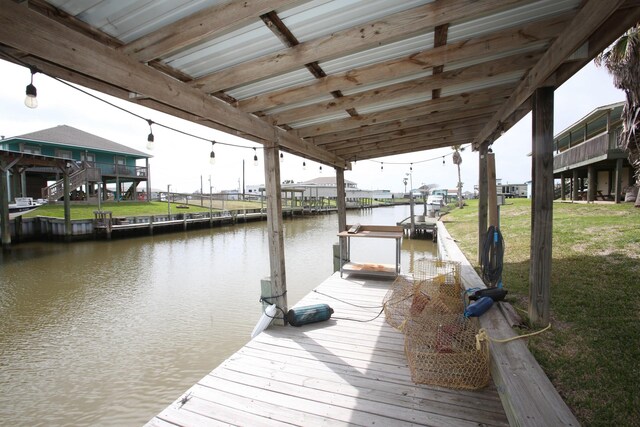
420,226
337,372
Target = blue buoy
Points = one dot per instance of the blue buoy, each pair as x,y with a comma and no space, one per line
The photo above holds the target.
479,307
310,314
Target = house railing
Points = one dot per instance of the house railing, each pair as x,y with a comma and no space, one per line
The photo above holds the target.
599,146
124,171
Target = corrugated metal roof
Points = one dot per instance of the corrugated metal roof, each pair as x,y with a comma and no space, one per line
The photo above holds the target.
235,47
319,120
132,19
378,54
274,83
510,18
319,18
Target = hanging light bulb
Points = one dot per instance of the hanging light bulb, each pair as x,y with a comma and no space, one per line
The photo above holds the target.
255,157
320,168
381,166
442,160
31,99
411,168
150,137
281,157
304,165
212,156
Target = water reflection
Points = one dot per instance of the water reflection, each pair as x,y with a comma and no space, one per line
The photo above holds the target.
110,332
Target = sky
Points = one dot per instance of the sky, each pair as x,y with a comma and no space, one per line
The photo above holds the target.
183,161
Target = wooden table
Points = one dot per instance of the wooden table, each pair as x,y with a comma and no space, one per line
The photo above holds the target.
376,232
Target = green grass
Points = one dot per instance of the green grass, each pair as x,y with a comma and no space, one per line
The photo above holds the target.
592,352
119,209
81,211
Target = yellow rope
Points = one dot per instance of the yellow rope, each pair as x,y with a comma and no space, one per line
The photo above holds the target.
482,335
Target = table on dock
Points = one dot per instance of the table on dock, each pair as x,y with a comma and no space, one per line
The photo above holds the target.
337,372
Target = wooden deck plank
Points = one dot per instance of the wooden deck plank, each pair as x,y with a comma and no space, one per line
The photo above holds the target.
335,372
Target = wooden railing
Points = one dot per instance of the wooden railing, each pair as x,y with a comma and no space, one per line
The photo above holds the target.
598,146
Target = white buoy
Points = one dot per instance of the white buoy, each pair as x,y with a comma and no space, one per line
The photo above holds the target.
264,321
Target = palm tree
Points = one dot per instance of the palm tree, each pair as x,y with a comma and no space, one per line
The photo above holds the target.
457,160
622,60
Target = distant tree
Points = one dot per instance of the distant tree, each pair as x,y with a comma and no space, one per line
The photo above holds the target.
622,60
457,160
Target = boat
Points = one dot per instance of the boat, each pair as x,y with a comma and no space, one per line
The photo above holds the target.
22,206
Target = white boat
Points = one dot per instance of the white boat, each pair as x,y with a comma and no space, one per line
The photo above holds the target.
22,206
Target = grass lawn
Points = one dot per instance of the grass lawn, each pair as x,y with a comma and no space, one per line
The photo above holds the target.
118,209
592,352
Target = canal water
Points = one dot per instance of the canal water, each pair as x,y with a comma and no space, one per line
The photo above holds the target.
110,332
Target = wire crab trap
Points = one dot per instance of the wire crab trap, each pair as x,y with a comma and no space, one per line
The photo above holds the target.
442,350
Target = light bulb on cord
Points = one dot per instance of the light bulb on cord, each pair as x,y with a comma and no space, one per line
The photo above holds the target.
281,157
212,156
255,157
304,165
150,137
31,99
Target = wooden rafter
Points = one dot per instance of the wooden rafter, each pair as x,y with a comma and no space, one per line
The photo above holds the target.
418,20
196,27
531,35
501,67
448,103
433,119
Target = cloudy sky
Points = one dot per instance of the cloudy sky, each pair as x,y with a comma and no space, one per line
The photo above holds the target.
181,160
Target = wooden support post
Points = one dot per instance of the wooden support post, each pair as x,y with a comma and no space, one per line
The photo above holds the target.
492,196
541,207
341,200
562,195
591,183
4,208
618,180
482,198
274,227
574,186
412,230
67,204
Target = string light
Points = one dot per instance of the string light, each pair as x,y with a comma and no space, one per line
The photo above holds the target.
442,160
212,156
150,137
411,167
381,166
31,99
320,168
281,157
255,157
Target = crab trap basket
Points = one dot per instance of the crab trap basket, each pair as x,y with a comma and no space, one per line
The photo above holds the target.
441,350
398,301
440,282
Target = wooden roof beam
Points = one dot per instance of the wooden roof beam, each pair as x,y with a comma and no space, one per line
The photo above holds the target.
403,149
448,103
530,35
460,115
413,131
411,142
592,15
207,23
413,21
474,73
